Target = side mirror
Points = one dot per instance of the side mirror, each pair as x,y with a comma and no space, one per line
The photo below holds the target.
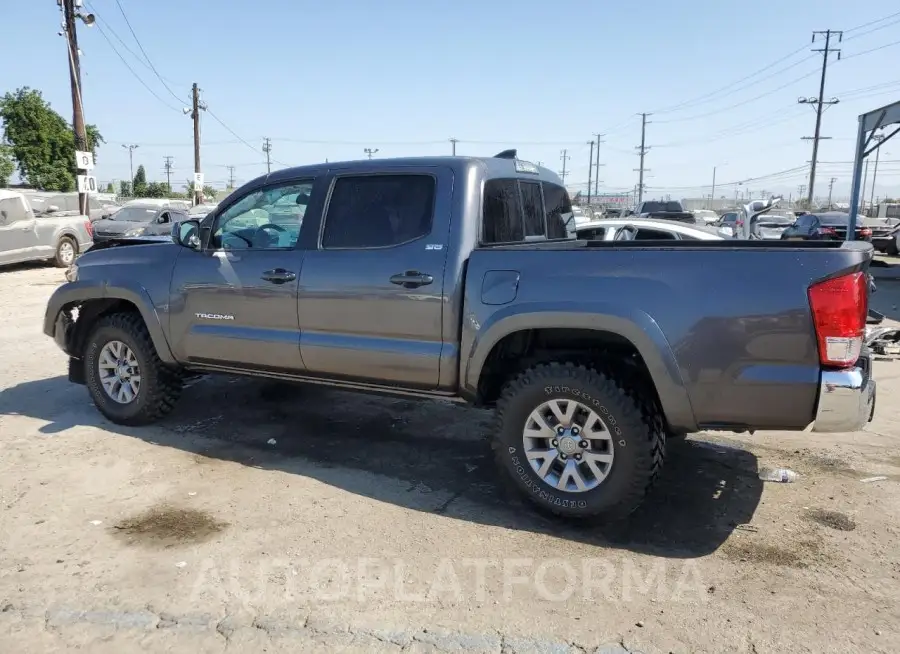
187,234
52,208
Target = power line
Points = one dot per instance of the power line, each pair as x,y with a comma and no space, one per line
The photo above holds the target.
700,98
865,52
150,63
128,66
871,22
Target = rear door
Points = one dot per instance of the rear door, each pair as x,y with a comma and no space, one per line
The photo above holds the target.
371,293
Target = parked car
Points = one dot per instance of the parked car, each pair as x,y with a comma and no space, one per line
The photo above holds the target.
182,205
25,236
825,226
727,224
139,219
453,278
199,211
770,226
647,230
664,210
885,234
705,216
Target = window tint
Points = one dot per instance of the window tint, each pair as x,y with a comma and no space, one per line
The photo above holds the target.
729,218
805,221
653,235
559,210
533,206
260,221
376,211
502,218
12,211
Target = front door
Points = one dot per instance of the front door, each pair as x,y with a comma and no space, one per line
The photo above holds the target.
371,294
234,303
18,231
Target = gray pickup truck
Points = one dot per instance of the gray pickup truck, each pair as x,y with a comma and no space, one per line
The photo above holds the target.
454,278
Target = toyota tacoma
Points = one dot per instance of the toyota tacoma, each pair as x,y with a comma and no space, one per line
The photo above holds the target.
456,279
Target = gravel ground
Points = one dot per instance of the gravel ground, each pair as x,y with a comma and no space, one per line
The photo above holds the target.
267,517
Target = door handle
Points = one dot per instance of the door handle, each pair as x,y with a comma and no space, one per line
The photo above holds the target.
412,279
279,276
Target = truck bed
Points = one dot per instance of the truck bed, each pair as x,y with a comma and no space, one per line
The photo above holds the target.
729,321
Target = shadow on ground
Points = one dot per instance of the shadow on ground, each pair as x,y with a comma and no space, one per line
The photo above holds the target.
886,298
425,456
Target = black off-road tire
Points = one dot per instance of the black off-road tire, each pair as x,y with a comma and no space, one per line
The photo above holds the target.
57,258
891,249
639,439
160,385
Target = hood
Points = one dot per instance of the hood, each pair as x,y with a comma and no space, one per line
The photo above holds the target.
126,256
117,226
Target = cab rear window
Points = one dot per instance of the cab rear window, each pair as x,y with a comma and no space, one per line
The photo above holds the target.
516,210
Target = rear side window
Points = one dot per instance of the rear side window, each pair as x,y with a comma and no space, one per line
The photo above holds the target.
502,212
558,208
533,206
378,211
12,210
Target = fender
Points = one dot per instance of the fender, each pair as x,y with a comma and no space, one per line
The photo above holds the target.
629,322
84,290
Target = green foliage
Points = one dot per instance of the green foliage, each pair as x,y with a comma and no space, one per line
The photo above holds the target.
209,192
7,165
110,188
140,183
41,141
156,190
124,188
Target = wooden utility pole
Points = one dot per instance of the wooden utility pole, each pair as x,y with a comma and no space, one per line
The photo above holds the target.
195,114
267,148
830,189
642,150
564,155
230,176
820,104
590,170
168,168
81,141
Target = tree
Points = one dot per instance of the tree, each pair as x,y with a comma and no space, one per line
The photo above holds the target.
140,183
42,142
7,165
110,188
209,192
124,188
157,190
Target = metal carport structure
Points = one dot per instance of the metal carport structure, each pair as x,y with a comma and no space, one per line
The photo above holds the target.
869,124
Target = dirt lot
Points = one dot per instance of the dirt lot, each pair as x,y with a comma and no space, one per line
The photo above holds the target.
373,524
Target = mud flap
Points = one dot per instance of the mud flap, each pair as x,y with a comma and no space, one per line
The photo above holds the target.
76,371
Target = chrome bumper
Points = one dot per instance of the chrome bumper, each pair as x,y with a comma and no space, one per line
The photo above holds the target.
846,398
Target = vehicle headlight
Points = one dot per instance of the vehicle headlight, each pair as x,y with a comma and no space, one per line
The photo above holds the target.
137,231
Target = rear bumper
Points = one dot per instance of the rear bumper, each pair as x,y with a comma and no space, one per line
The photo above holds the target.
846,398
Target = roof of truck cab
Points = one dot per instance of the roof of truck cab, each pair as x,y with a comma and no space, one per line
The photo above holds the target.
492,167
6,194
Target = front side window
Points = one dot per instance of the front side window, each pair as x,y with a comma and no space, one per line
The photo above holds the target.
266,219
378,211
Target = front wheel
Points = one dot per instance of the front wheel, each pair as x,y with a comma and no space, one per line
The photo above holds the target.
576,442
126,379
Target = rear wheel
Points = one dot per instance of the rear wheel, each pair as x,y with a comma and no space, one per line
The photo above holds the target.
576,442
66,250
127,381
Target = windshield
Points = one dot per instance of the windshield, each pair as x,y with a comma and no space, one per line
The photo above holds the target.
201,209
135,214
662,206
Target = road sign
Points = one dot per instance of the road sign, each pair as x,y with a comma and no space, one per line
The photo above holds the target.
198,181
87,184
84,160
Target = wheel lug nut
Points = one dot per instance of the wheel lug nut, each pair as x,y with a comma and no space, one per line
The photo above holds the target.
554,442
562,456
575,431
560,430
584,444
578,457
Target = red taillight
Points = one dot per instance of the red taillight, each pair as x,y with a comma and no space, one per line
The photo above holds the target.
90,228
826,230
839,309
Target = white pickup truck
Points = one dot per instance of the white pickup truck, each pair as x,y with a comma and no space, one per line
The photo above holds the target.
26,236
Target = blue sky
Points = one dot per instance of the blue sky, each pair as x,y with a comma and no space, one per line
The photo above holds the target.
325,80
